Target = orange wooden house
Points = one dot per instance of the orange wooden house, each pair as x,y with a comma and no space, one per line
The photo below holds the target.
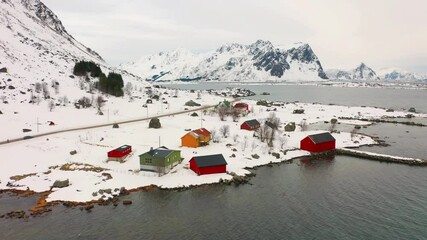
196,138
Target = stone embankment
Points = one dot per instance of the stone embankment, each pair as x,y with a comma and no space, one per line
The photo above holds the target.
380,157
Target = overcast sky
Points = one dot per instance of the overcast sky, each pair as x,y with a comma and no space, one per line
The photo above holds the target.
343,33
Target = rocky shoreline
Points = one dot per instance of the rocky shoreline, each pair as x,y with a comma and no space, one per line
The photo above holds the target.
42,206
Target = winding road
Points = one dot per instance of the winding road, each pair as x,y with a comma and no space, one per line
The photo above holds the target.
106,124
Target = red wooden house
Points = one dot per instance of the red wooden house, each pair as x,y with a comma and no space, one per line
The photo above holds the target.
250,125
318,142
241,106
120,153
208,164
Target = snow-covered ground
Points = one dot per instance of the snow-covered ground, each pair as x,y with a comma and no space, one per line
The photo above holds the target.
43,158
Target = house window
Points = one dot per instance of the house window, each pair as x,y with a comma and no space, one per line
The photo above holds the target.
148,160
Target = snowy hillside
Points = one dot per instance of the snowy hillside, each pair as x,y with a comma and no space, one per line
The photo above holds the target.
361,72
34,48
257,62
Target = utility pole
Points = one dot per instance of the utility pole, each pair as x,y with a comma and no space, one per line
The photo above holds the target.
201,119
159,141
37,125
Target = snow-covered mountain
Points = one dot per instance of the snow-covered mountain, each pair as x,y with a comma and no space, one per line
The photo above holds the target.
361,72
397,74
365,73
260,61
35,47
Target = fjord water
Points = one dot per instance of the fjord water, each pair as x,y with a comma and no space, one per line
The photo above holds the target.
339,198
397,99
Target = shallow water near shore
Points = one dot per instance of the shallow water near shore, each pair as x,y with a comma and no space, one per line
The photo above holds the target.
340,198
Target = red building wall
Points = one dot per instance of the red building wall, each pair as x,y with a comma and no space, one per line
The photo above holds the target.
207,170
193,166
245,126
248,127
117,154
308,145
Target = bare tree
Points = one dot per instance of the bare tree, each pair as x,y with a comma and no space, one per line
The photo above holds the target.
92,86
235,137
332,127
235,115
65,100
273,122
56,87
253,146
214,135
82,84
244,143
99,103
45,91
51,105
31,97
224,130
264,132
199,95
282,141
303,125
128,89
85,102
37,100
222,112
38,87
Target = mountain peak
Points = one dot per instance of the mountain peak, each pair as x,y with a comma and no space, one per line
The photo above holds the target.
259,61
46,16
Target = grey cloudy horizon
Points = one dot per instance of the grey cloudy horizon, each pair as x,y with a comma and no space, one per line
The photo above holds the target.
342,33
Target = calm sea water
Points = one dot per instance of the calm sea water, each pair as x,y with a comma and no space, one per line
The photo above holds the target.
398,99
340,198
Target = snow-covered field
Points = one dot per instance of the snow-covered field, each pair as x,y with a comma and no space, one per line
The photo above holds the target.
43,158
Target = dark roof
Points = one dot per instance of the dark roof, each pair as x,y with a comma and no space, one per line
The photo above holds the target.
321,137
252,122
122,148
160,152
210,160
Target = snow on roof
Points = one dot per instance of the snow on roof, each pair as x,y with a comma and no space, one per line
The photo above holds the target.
202,131
122,148
210,160
195,135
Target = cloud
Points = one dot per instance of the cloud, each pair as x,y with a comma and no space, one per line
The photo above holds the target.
342,32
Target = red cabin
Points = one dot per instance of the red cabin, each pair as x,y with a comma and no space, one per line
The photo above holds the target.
242,106
120,152
250,125
318,142
209,164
